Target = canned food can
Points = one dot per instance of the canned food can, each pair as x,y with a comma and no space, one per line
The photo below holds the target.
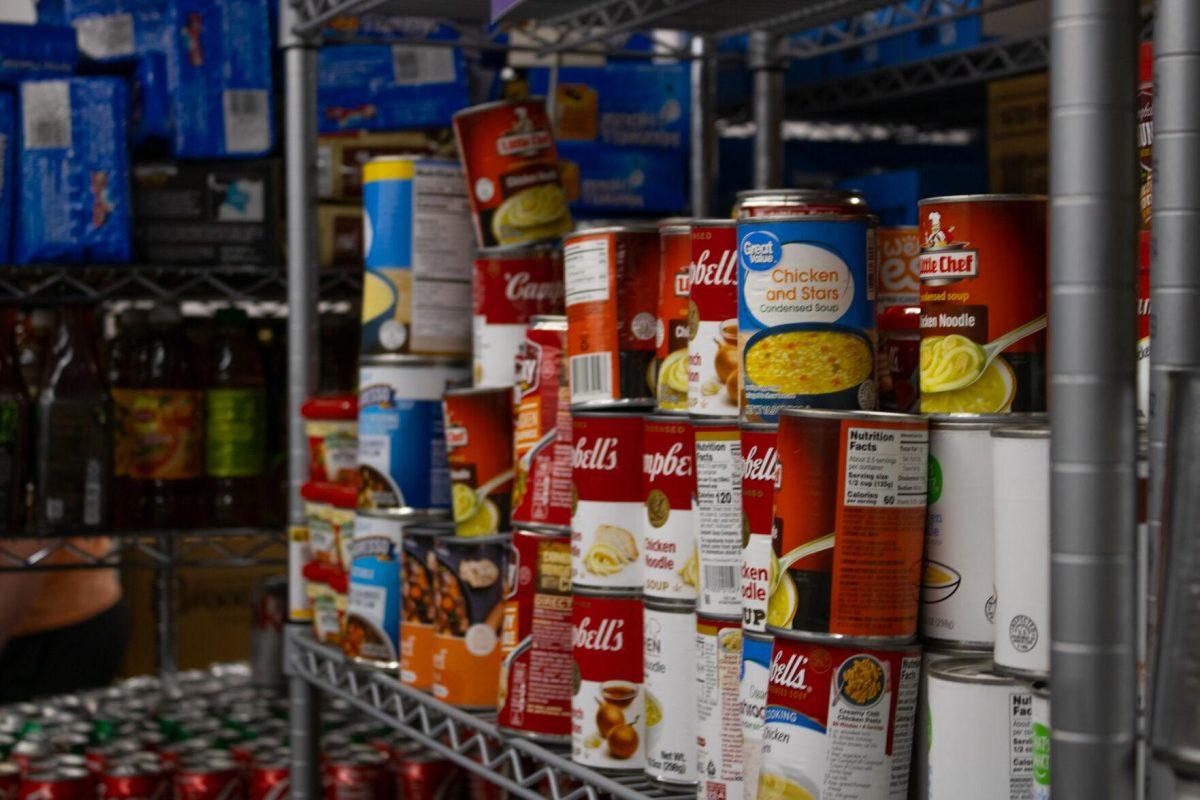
669,569
208,779
401,433
760,468
1021,492
979,732
806,313
756,673
511,167
357,773
416,288
1040,733
840,716
331,426
608,710
1145,131
424,775
898,364
798,202
270,779
611,277
849,522
418,568
542,452
535,640
329,509
714,360
470,583
1143,327
899,266
719,516
670,681
608,507
983,304
511,286
328,590
671,336
918,777
718,655
479,446
57,783
10,779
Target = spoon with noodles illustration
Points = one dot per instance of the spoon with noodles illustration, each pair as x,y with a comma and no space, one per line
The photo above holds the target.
986,354
483,491
811,547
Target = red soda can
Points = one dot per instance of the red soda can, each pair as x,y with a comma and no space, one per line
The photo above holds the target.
424,775
64,783
99,756
134,780
209,779
270,779
357,774
10,780
27,751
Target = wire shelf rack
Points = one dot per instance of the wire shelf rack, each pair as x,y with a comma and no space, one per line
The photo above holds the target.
223,547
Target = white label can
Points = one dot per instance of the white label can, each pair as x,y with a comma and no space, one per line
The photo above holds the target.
719,523
919,774
670,669
718,655
756,673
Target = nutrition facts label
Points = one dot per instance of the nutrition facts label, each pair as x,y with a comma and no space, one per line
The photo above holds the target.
586,271
718,708
719,542
1020,726
885,467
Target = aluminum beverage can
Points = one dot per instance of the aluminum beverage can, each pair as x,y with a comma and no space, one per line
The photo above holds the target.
511,286
669,686
719,516
424,775
608,508
210,779
270,779
714,360
56,783
10,780
718,654
671,336
134,780
669,569
357,774
760,468
479,445
541,493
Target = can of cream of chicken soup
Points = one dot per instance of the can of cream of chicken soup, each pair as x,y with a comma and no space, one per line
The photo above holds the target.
669,569
669,687
718,525
718,656
760,467
608,510
1040,734
671,336
756,672
713,357
798,202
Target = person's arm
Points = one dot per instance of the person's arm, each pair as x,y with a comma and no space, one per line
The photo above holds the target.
17,589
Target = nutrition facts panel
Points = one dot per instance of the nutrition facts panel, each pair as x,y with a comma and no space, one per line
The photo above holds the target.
885,468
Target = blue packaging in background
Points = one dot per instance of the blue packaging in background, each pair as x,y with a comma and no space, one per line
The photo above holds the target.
150,104
51,12
73,199
604,179
892,195
118,30
8,143
221,88
35,51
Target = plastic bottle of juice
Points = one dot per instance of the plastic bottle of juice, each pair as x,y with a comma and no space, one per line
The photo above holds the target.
15,413
126,357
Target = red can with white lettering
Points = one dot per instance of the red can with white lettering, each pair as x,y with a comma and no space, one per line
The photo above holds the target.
608,714
511,286
713,355
541,493
671,337
719,706
668,537
760,465
607,504
840,715
718,526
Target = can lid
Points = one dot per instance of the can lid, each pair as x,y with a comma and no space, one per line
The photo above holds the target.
801,192
469,541
900,318
713,422
433,528
832,413
899,644
1022,432
970,670
404,360
539,529
520,250
405,514
870,219
338,495
984,421
759,427
554,321
982,198
674,606
341,406
715,222
625,407
468,391
675,222
1040,689
498,104
608,226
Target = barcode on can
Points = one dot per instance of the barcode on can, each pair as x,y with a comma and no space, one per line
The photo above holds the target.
413,65
247,124
719,578
591,377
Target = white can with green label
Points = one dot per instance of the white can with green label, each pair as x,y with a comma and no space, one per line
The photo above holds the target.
1041,741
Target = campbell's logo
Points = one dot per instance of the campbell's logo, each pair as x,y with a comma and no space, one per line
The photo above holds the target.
599,454
759,250
606,635
705,271
792,673
950,264
520,286
673,462
756,467
377,394
456,436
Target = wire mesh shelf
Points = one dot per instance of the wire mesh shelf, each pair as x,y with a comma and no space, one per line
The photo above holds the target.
223,547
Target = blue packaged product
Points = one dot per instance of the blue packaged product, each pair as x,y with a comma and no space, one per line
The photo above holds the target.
150,114
604,179
36,51
118,30
73,201
51,12
373,601
219,69
7,146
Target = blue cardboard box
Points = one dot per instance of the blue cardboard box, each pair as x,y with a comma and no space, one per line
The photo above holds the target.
619,180
118,30
219,72
8,143
73,171
892,195
34,51
51,12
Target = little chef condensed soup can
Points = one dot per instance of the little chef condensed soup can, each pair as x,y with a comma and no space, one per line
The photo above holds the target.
511,286
760,465
713,356
674,279
670,670
542,453
718,655
669,570
718,526
608,508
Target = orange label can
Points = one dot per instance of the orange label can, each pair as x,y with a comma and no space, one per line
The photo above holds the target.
418,603
479,445
671,336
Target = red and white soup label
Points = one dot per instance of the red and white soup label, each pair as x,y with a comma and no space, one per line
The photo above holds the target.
608,714
760,466
608,511
669,566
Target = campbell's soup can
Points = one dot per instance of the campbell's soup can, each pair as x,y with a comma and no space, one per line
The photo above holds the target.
669,688
1145,132
983,304
839,720
718,526
756,673
608,508
899,266
535,638
418,606
479,446
806,313
1021,499
898,359
798,202
1143,327
980,732
669,569
542,453
608,709
1040,730
401,434
713,356
471,580
718,655
511,170
849,522
760,466
511,286
671,336
611,277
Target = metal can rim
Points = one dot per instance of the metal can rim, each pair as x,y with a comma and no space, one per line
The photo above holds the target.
614,593
468,391
539,247
405,514
715,222
407,360
971,669
799,191
633,227
985,421
835,413
1009,197
463,541
548,321
616,407
897,643
669,605
541,529
706,421
1023,432
870,219
759,426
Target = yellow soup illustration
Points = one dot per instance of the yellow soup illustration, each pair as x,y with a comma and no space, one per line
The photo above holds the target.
992,393
809,362
534,213
673,372
777,787
949,362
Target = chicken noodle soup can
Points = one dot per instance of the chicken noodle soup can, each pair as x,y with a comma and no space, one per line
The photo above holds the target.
671,335
718,655
760,465
756,672
980,738
535,638
983,304
542,454
670,678
418,572
849,522
669,570
839,720
608,508
1040,734
1021,524
713,358
479,449
511,170
798,202
611,278
806,313
718,526
608,710
511,286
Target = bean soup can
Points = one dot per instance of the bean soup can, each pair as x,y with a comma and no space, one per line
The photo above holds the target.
535,639
1021,525
542,453
479,445
670,679
401,435
671,336
1040,733
511,286
798,202
511,169
849,522
979,732
713,356
608,710
718,655
416,288
760,466
983,289
806,313
611,277
418,608
607,504
839,721
756,672
718,525
669,570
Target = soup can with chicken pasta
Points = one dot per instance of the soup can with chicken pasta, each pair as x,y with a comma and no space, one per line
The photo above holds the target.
718,526
806,313
718,654
756,672
541,492
798,202
479,449
418,569
608,507
713,360
839,719
670,686
669,569
674,278
760,465
849,524
470,581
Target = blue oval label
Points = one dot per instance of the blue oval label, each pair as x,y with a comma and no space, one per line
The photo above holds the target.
759,250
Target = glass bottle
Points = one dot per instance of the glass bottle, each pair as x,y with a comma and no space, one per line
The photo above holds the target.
126,358
15,419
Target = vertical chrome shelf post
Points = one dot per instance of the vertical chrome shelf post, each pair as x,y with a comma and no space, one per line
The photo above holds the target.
767,68
703,152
